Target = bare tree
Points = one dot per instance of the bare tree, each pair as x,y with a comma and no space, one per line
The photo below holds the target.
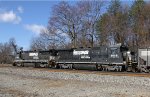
63,20
77,21
92,11
48,39
14,47
5,52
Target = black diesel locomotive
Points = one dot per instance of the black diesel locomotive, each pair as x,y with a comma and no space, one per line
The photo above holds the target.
107,58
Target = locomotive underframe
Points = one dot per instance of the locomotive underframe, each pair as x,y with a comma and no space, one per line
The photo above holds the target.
36,63
92,65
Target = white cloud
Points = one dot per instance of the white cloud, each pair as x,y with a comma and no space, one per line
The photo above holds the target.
10,17
35,28
20,9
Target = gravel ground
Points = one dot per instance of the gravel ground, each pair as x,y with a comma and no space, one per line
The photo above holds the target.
20,82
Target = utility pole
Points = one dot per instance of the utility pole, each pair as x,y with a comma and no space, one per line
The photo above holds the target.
74,37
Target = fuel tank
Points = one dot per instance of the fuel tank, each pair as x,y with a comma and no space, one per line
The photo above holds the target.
85,66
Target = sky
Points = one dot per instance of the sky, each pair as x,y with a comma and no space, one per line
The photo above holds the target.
23,20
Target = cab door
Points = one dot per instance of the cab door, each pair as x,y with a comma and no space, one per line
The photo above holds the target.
115,56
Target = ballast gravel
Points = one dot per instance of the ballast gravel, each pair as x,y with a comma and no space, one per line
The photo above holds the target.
23,82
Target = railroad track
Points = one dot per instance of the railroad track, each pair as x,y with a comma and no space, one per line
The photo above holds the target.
81,71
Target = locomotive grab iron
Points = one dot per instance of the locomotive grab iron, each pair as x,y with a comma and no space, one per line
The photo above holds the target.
104,58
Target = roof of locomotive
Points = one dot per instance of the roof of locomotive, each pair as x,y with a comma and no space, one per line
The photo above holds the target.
71,49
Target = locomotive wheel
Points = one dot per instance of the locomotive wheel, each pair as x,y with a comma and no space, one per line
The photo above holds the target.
99,67
52,64
14,64
133,70
43,65
19,64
